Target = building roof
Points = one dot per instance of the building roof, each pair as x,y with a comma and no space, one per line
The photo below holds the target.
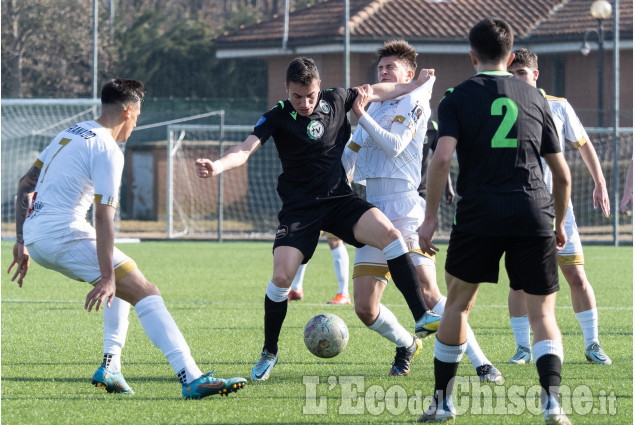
441,22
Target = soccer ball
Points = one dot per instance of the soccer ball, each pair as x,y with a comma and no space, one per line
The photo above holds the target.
326,335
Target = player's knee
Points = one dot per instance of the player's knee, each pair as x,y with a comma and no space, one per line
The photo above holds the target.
282,279
365,313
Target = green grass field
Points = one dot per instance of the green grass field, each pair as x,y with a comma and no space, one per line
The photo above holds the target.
215,292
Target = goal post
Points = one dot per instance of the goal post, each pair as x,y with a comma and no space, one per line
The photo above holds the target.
240,204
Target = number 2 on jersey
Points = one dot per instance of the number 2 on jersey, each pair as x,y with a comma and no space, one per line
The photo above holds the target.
63,142
500,139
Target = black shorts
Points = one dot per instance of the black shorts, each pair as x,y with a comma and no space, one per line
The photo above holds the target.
302,222
531,261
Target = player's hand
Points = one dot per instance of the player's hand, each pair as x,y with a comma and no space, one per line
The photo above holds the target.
561,237
426,231
424,76
601,198
204,168
449,195
627,200
22,259
103,292
363,98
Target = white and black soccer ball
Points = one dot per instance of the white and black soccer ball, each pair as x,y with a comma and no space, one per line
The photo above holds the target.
326,335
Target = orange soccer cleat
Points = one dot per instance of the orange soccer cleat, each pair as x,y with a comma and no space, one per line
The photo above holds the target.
340,299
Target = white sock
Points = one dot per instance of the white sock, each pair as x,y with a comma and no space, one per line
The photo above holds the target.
547,346
163,332
387,326
341,265
298,280
589,324
521,329
473,350
277,294
439,308
395,249
115,331
448,353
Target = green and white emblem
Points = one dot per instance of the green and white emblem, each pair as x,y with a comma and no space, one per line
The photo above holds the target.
315,129
324,106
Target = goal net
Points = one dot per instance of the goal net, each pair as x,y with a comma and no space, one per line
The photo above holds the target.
241,203
28,125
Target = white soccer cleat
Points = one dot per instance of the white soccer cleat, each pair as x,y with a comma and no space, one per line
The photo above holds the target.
552,412
594,353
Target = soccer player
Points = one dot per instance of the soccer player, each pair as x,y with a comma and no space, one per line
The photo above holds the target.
429,146
386,151
499,127
310,130
340,265
570,258
627,198
82,165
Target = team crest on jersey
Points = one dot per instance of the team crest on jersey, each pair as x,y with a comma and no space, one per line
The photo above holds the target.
325,107
282,232
416,112
315,129
260,121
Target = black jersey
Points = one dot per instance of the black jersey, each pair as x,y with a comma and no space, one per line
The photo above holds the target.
310,148
502,126
429,144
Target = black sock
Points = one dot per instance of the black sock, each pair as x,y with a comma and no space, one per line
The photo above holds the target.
443,374
406,280
274,316
549,367
106,361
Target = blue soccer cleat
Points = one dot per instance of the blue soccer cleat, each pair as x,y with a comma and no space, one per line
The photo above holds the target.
207,385
265,364
522,356
594,353
552,412
112,382
439,412
428,324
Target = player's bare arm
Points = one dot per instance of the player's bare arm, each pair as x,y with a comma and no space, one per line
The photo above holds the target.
385,91
235,157
438,172
627,198
561,193
21,256
600,194
104,290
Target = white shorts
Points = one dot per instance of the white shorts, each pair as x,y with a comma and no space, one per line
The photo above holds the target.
76,257
405,211
572,253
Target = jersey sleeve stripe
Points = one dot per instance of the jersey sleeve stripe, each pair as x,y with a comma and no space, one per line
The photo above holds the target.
580,142
353,146
38,164
106,200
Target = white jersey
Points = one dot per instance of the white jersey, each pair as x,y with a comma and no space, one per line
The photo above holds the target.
569,128
408,113
83,163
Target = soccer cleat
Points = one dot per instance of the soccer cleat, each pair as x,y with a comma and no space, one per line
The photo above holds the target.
111,382
552,412
439,413
265,364
427,325
296,295
522,356
595,354
207,385
340,299
488,373
403,357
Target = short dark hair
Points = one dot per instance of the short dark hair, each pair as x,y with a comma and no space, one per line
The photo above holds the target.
491,40
122,91
302,70
402,50
525,58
